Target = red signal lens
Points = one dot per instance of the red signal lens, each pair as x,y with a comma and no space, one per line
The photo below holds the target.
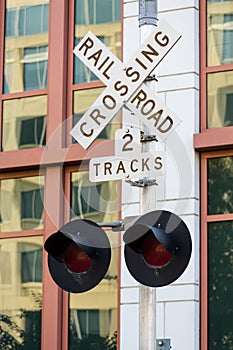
76,259
154,252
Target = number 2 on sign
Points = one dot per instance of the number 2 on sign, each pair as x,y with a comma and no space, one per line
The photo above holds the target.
127,140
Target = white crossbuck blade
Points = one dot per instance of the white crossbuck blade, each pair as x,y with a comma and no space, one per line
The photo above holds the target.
124,85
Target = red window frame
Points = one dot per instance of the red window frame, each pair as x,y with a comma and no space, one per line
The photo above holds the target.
216,138
56,158
205,219
212,143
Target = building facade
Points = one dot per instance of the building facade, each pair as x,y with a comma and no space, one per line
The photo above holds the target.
44,182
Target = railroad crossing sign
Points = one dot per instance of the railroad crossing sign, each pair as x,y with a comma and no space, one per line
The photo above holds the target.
129,162
124,85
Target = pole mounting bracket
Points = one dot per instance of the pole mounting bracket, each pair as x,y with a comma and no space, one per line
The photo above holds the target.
148,138
142,182
151,78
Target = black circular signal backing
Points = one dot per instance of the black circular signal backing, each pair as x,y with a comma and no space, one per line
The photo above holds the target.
172,244
92,240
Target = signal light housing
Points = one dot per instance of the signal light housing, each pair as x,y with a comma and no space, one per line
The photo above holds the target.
79,255
157,248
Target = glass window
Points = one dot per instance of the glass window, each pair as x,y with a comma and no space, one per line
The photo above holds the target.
97,11
220,32
26,46
90,199
94,201
20,302
35,65
220,185
220,99
33,19
24,123
82,101
93,315
21,202
103,18
220,276
31,264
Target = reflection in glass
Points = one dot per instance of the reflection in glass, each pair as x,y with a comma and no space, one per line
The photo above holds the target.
82,100
220,276
94,201
220,32
103,18
26,45
21,293
220,185
24,123
21,203
93,315
220,99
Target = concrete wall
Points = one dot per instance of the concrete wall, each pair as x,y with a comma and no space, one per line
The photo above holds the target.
177,311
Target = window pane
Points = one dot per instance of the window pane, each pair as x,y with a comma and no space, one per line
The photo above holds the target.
94,201
26,29
20,298
24,123
103,18
93,315
220,99
35,68
220,32
83,99
220,274
31,265
21,203
220,185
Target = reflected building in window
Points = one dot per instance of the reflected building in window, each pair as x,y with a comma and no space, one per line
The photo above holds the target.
220,52
25,69
93,315
21,202
20,292
26,46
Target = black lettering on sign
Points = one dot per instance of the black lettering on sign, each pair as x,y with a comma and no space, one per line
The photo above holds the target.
168,122
108,167
119,87
125,147
163,41
95,56
109,102
158,163
88,44
152,52
156,116
141,96
107,69
120,167
144,164
85,132
130,74
148,107
96,165
134,170
141,63
95,115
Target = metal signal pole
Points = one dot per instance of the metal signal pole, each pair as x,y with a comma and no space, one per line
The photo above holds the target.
147,295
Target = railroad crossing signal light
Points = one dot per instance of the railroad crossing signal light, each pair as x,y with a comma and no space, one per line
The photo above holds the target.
157,248
78,255
157,251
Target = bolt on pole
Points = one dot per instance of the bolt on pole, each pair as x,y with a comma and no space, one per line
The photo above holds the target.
147,295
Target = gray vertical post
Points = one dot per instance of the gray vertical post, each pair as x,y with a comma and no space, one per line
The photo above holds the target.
147,295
